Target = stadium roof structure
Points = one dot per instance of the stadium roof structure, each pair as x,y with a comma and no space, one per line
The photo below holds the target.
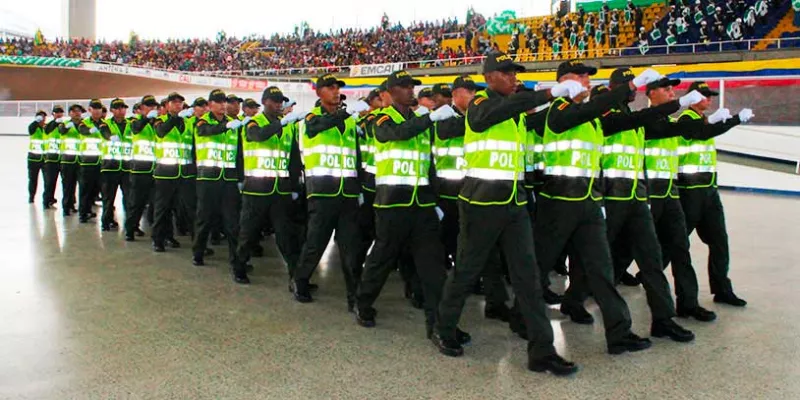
15,26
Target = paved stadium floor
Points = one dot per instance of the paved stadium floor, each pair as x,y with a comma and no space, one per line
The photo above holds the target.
88,316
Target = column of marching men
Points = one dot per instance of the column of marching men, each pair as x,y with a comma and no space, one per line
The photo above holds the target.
458,185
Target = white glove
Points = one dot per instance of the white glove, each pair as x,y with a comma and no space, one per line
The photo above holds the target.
85,115
568,88
360,199
62,120
152,114
719,116
240,185
357,107
295,196
39,118
287,119
746,115
691,98
94,130
186,113
422,110
69,125
439,213
245,120
235,124
442,113
114,138
647,76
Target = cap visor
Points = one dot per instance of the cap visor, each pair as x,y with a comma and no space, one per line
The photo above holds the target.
341,83
588,70
709,92
512,67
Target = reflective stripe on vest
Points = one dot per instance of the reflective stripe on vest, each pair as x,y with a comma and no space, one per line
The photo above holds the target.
696,156
217,151
330,153
448,156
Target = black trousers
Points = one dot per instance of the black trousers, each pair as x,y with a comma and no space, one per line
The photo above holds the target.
111,182
326,215
33,178
670,224
630,222
141,185
256,211
704,213
69,182
366,226
415,228
222,198
482,230
172,194
579,227
50,174
89,187
492,275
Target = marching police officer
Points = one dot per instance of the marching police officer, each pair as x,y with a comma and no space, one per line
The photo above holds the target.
36,150
269,145
69,149
52,157
328,142
217,144
492,213
116,140
174,174
697,180
143,163
90,159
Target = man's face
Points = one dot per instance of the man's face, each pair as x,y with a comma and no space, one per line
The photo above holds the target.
144,109
250,111
386,99
232,108
462,97
403,95
329,95
503,82
703,105
58,115
375,103
440,100
175,106
217,107
661,95
119,113
200,110
272,107
583,79
427,102
75,113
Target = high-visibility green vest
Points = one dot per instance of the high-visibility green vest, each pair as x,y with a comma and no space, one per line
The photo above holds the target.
496,158
173,152
623,165
366,144
330,160
70,145
216,153
266,163
697,160
402,164
52,146
91,152
36,145
572,160
448,157
114,152
144,143
534,159
661,166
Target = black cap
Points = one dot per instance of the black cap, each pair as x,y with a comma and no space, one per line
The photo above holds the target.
200,102
217,96
58,109
175,96
329,80
96,104
574,67
163,102
118,103
76,107
251,103
599,89
466,82
442,89
499,61
149,101
41,112
275,94
621,76
105,110
414,102
136,106
425,92
373,94
663,82
232,97
401,78
703,88
384,86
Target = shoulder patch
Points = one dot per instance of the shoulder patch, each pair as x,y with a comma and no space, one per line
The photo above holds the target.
309,116
201,122
479,100
252,123
562,106
382,120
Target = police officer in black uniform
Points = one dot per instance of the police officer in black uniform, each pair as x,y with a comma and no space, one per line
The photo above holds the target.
51,160
112,171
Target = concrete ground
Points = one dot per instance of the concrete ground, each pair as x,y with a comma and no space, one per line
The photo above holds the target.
88,316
